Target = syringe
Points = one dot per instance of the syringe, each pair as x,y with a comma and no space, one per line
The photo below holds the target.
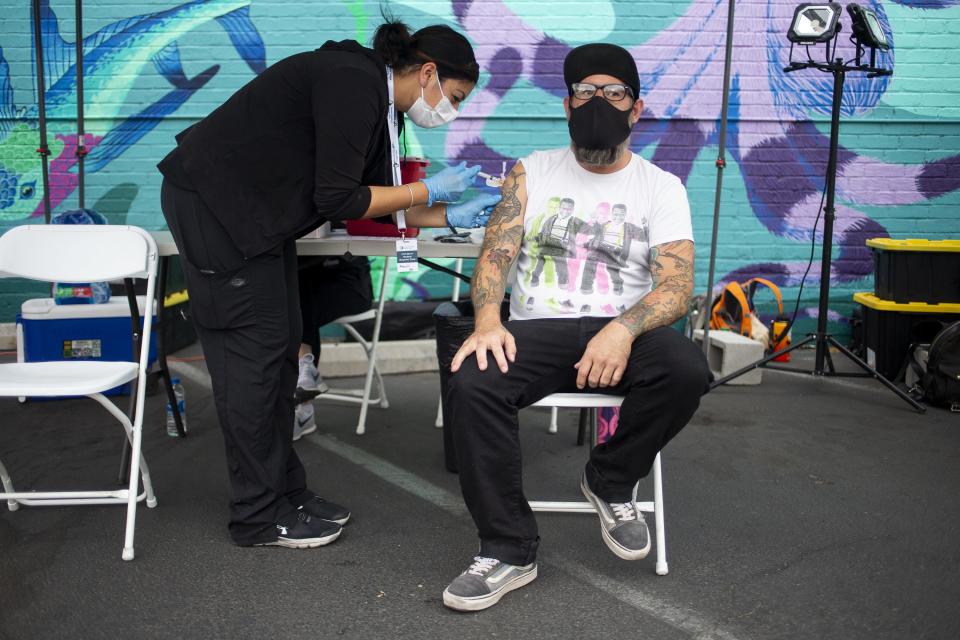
495,181
492,181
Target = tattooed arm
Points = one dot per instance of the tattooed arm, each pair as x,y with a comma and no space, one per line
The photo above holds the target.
501,246
671,266
605,359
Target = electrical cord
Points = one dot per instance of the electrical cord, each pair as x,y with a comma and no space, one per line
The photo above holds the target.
813,249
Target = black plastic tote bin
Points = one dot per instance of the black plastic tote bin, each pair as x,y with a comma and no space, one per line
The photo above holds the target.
916,270
889,328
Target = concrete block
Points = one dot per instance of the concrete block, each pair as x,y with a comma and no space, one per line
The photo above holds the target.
348,359
729,352
8,336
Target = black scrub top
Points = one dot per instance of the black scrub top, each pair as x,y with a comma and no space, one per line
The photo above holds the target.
292,149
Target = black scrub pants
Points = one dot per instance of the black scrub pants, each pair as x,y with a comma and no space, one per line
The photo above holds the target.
665,377
247,315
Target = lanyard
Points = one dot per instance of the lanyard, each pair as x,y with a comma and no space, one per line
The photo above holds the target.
394,127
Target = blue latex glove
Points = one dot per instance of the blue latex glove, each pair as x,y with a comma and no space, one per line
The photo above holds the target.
474,212
448,185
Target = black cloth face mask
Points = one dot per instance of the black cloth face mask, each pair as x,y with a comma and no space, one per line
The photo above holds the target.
597,124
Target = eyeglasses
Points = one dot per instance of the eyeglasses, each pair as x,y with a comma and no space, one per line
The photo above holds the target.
612,92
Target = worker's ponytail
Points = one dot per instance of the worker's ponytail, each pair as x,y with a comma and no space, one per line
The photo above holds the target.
393,42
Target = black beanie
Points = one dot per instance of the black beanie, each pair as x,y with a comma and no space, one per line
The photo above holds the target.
601,58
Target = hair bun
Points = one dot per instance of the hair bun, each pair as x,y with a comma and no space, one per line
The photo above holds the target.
393,41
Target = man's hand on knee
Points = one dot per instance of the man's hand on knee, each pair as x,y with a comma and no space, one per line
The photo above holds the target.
492,337
605,358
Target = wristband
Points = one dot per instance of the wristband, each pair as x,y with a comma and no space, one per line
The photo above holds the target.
410,189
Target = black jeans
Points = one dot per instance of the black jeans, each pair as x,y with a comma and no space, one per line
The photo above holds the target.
330,288
247,315
666,376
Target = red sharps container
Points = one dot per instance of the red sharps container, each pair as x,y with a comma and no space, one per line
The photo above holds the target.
411,170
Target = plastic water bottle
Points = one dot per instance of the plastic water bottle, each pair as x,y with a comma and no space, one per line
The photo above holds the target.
181,397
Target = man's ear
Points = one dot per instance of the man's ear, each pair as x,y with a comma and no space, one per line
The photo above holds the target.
636,111
566,106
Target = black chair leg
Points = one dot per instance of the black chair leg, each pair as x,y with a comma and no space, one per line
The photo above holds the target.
583,426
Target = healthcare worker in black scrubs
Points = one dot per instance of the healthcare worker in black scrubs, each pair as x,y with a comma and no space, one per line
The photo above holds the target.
313,138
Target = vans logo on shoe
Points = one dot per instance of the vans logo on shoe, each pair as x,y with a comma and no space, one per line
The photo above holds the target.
506,572
282,529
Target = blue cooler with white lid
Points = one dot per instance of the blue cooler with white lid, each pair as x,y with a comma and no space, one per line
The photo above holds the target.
48,332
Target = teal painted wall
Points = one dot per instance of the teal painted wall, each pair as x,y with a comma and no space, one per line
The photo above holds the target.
899,175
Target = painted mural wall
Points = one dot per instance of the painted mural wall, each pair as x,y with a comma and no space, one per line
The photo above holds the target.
153,67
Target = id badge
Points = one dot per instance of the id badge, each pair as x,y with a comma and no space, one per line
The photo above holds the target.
407,255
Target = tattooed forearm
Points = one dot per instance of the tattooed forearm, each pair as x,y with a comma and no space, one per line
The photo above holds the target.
655,310
671,266
509,206
501,243
502,254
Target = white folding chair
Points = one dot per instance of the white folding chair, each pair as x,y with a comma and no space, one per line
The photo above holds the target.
82,254
362,396
593,402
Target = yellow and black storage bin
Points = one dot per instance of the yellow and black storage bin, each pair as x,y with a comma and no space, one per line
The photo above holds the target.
916,270
889,328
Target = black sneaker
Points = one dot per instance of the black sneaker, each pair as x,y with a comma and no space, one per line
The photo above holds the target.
317,507
621,524
300,531
485,582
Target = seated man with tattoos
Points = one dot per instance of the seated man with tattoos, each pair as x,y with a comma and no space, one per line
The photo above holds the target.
629,276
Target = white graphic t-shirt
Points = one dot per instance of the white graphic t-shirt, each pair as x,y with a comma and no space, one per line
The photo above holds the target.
587,236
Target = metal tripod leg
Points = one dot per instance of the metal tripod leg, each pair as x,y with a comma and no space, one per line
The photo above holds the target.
759,363
889,385
829,358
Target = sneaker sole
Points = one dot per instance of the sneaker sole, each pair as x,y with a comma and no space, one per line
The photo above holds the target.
306,543
302,395
459,603
619,550
305,432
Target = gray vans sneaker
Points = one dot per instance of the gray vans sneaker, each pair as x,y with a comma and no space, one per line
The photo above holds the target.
621,524
485,582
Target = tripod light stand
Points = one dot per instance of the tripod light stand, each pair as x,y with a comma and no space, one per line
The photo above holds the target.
816,24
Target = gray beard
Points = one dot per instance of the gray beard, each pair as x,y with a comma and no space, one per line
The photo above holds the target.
599,157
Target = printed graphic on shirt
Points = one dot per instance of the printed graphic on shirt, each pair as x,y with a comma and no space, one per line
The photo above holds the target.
585,252
587,235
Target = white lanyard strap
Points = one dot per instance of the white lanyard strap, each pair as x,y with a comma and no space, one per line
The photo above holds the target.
394,127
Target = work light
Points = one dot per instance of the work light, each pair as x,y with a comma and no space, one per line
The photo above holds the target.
814,23
866,27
